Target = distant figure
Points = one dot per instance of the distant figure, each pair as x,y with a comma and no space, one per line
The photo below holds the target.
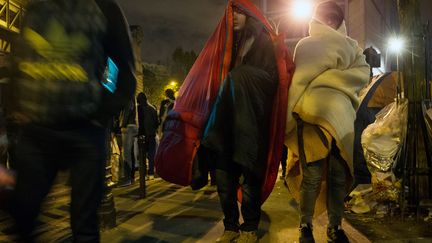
61,110
323,97
147,126
166,105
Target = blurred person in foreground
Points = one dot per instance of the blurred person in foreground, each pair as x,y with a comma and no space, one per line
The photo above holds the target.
61,107
330,72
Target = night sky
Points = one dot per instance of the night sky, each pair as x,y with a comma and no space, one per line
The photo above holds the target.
170,23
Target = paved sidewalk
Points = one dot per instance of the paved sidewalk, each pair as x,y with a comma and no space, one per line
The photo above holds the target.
172,213
178,214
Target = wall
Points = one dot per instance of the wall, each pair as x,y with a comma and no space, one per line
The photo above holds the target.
372,23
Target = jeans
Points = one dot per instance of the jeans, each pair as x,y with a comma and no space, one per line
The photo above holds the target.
227,180
313,173
39,154
128,152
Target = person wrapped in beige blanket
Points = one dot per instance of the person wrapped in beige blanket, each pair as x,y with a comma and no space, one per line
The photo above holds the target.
330,72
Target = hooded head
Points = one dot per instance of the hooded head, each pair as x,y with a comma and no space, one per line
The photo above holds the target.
169,93
330,14
141,98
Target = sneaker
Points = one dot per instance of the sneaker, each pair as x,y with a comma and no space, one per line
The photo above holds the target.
336,235
306,235
228,237
124,182
247,237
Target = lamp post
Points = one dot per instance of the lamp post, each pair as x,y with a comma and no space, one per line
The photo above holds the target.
396,45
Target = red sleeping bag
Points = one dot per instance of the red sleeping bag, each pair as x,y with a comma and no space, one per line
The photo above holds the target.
185,122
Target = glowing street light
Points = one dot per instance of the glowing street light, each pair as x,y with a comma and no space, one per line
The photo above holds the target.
302,9
172,84
396,45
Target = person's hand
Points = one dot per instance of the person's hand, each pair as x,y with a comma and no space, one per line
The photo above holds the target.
6,177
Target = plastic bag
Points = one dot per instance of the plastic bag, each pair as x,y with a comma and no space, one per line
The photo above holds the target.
382,140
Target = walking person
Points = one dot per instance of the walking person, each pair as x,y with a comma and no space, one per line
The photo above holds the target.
62,110
147,126
237,131
228,117
330,72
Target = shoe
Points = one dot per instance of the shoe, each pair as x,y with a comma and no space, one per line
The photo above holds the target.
228,237
124,182
306,235
336,235
247,237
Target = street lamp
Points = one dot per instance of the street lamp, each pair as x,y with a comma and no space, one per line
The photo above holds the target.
302,9
396,45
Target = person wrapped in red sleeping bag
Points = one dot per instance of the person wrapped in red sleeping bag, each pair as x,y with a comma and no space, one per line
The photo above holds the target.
231,109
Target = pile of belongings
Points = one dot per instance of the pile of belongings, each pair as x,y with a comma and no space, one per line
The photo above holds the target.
382,143
385,189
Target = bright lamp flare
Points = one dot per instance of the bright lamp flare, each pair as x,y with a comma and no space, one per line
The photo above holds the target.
396,44
302,9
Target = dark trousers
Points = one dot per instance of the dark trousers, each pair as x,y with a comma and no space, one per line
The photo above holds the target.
227,181
151,143
39,154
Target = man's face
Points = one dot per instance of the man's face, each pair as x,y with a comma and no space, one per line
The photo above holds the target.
239,21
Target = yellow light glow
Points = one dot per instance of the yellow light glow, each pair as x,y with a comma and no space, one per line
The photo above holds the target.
302,9
173,83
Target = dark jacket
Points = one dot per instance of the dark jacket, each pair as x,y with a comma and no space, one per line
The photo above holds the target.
147,120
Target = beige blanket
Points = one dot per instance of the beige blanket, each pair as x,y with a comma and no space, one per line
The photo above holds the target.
330,72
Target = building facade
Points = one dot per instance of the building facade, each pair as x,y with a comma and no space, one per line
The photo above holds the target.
11,12
137,37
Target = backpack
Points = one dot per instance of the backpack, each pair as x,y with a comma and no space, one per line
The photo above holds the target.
59,62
